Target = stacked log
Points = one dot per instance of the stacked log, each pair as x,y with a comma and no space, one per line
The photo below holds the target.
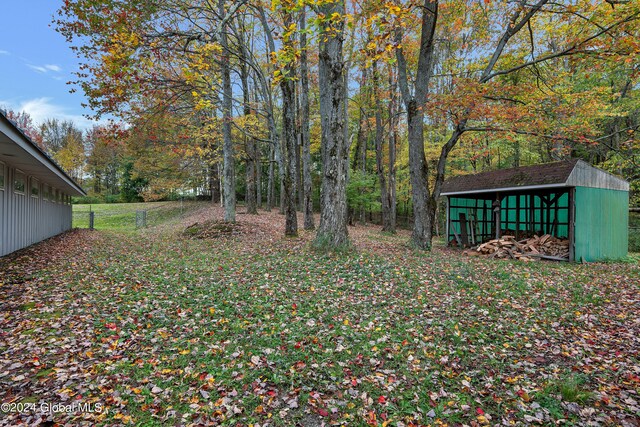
547,247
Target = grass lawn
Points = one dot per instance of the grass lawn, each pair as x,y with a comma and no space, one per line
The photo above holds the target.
246,327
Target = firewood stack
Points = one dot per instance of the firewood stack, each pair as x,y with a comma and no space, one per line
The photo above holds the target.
547,247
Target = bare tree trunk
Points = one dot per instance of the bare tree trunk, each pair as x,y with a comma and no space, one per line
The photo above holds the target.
332,232
299,193
250,146
271,180
251,177
289,181
393,216
281,170
437,222
362,140
307,205
275,158
287,84
298,136
211,184
393,123
277,144
220,171
214,183
487,158
227,148
384,196
360,155
359,163
418,173
423,209
259,176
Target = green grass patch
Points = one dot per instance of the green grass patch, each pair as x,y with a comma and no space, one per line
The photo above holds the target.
28,306
568,389
122,216
42,373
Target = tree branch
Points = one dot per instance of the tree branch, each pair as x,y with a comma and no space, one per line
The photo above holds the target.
403,80
572,50
513,28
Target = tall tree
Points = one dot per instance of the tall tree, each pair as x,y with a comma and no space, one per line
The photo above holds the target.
307,204
285,76
64,141
229,173
24,122
423,205
385,199
250,143
103,160
332,231
276,156
392,141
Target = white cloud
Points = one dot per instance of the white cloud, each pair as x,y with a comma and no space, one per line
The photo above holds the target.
4,52
37,68
45,68
41,109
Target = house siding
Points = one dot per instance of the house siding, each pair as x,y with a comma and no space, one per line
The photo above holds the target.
601,224
26,219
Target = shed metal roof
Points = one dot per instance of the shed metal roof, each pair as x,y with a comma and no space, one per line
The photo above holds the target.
18,150
567,173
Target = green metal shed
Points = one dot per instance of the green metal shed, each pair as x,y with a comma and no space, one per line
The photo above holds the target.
568,199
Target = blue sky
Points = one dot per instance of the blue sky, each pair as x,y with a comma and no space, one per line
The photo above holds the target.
36,63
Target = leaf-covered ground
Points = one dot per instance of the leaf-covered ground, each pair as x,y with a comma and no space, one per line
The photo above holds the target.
248,328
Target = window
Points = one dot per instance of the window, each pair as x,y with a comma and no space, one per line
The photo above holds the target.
35,188
45,192
18,182
1,176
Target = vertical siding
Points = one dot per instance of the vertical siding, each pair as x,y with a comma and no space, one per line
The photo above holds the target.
601,224
3,203
25,219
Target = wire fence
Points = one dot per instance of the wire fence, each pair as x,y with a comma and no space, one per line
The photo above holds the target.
634,231
129,216
634,239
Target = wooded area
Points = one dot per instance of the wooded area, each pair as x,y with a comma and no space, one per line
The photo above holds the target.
345,106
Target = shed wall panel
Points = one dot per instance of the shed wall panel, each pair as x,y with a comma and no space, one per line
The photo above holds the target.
27,219
601,224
